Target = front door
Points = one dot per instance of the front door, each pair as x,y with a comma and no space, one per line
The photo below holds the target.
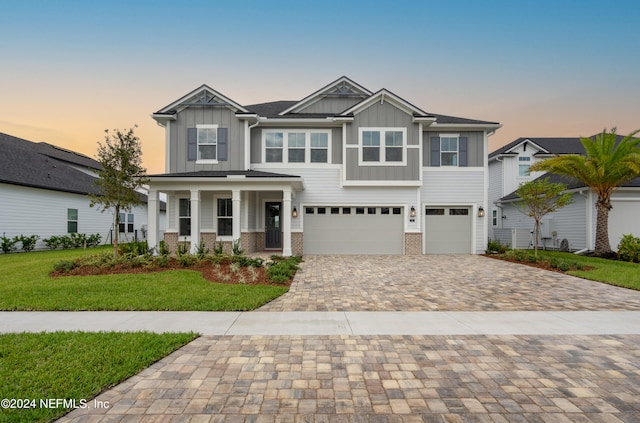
273,231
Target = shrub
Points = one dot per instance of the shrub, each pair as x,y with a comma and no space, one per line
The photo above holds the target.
162,261
201,251
564,265
64,266
495,246
244,261
164,250
218,249
28,242
134,248
629,248
282,269
94,240
517,255
7,244
183,248
52,242
237,251
66,242
186,260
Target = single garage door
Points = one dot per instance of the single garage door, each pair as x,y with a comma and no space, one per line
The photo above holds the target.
353,230
623,219
448,230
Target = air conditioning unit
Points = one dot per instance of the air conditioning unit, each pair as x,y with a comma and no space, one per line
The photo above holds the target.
546,228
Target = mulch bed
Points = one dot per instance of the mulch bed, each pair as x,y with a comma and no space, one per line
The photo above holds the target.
540,264
220,273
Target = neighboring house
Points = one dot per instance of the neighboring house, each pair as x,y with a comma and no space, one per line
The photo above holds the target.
43,191
574,226
342,171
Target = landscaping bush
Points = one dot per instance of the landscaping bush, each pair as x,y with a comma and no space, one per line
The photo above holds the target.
52,242
218,248
164,250
237,251
134,248
28,242
629,248
7,244
64,266
494,246
201,251
282,269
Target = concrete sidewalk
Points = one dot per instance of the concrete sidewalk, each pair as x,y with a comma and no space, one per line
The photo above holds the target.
332,323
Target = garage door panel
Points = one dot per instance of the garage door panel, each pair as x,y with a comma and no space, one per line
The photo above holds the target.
623,219
448,230
363,230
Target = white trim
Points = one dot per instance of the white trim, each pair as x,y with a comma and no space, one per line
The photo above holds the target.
206,126
473,215
452,168
167,147
203,87
382,158
381,183
385,95
285,148
247,145
217,197
526,140
448,135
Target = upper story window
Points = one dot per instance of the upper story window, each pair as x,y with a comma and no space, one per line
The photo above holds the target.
296,146
523,166
207,142
449,150
382,146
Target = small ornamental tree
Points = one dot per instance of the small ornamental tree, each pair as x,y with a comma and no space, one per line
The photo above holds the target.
539,198
121,175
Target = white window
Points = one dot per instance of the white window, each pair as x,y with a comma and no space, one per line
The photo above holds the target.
207,140
184,217
72,221
296,146
225,217
374,152
494,217
126,223
523,166
449,150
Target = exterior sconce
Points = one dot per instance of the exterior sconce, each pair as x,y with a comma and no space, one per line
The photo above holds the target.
412,212
294,212
480,211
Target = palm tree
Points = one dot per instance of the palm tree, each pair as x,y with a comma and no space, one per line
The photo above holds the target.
607,165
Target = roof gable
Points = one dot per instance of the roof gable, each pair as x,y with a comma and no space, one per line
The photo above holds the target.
203,96
382,96
342,87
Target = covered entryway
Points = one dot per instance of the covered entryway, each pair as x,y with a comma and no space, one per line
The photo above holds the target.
447,230
353,230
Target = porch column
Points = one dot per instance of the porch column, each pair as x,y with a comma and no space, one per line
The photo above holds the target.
195,220
153,219
235,212
286,222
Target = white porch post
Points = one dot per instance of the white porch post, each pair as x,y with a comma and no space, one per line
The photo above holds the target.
153,218
195,220
235,212
286,222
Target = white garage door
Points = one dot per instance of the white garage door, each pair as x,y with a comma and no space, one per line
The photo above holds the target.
624,218
448,230
353,230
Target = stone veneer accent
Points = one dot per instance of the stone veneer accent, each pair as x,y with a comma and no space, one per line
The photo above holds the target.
259,241
248,242
209,239
297,243
412,244
171,241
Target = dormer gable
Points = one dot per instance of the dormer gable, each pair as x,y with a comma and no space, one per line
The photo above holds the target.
203,96
383,96
343,89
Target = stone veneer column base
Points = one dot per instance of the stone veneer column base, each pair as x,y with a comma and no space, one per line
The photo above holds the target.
297,245
209,239
171,242
412,244
248,242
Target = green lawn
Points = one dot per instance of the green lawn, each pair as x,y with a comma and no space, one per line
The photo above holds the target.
25,285
613,272
45,367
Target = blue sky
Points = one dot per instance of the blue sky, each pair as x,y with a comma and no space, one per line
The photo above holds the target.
71,69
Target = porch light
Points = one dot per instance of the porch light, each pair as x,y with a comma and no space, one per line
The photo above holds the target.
294,212
480,211
412,213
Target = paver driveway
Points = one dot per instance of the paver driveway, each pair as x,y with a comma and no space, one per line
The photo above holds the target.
443,283
389,378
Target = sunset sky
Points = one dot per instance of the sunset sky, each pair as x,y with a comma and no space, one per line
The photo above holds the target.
71,69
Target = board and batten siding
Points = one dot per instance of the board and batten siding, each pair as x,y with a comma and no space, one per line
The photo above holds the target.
410,172
495,193
35,211
383,115
457,187
330,105
475,146
190,118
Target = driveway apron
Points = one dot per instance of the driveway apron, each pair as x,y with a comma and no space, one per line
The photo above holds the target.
399,377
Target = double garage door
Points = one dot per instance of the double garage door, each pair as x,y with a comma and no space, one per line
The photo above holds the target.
353,230
447,230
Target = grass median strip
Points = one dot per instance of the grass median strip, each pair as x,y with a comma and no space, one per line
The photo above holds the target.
41,374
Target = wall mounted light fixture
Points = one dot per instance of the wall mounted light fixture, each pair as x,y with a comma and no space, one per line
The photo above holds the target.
412,212
480,211
294,212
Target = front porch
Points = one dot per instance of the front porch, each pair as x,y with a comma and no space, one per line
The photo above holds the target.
250,209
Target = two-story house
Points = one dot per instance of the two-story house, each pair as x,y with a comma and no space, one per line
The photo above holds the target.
343,171
572,227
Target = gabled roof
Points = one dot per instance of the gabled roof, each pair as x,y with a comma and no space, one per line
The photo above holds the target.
555,145
385,95
201,96
46,166
342,87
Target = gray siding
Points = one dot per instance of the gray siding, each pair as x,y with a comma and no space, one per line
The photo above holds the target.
191,117
336,145
256,145
410,172
331,105
381,116
475,146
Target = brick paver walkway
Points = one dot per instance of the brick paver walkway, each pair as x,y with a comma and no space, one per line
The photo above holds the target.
399,378
443,283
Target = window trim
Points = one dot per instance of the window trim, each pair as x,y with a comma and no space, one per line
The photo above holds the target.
216,217
178,216
206,161
285,146
72,220
457,152
382,147
526,160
